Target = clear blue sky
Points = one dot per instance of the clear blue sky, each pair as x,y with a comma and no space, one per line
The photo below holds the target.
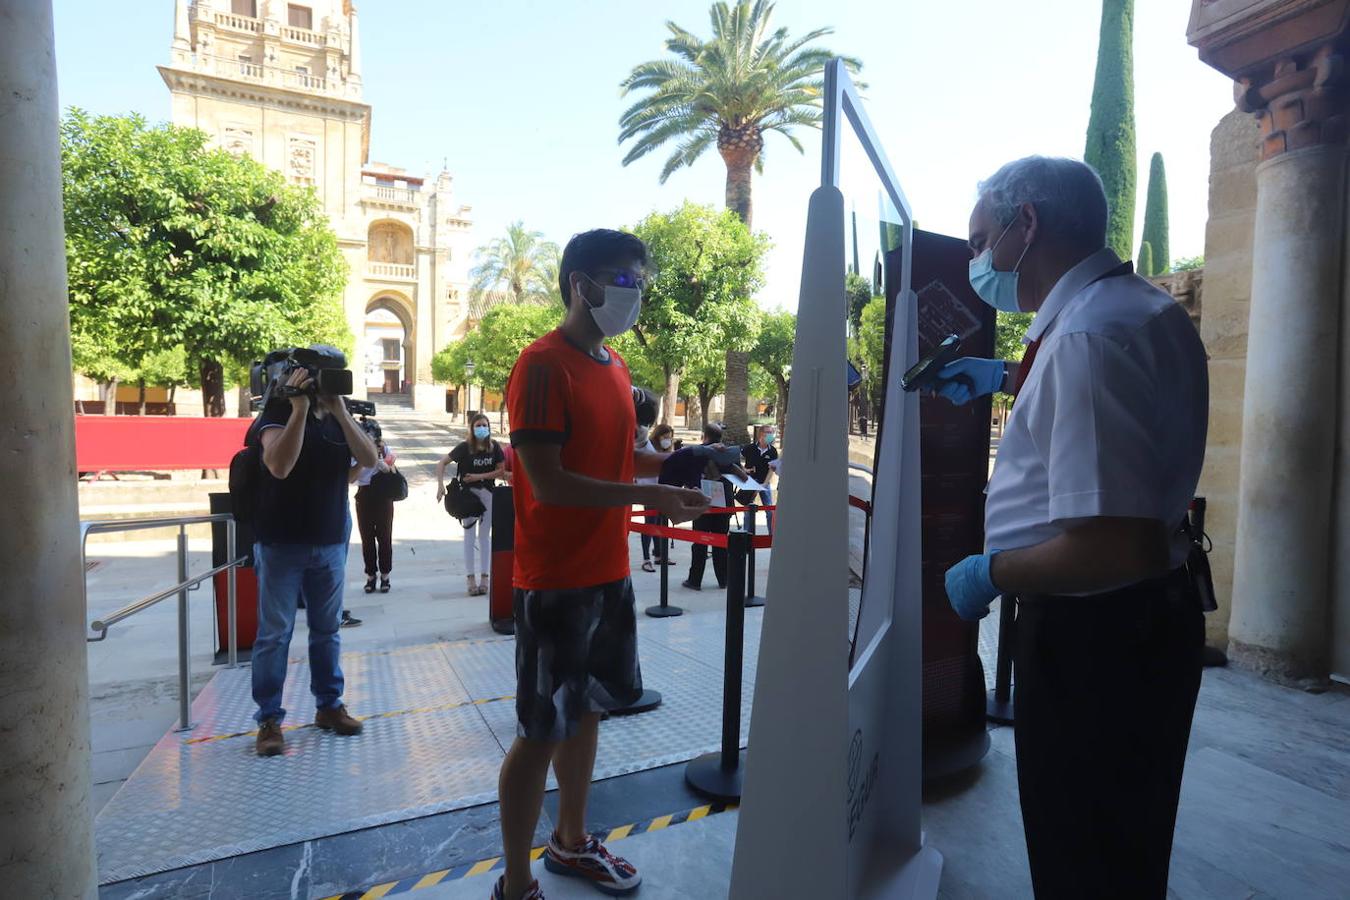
521,99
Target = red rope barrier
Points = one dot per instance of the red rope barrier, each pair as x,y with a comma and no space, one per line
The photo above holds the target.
712,511
706,538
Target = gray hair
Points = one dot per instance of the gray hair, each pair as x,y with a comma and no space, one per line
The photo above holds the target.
1068,196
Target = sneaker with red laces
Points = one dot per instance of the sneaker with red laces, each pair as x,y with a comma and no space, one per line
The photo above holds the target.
609,874
531,893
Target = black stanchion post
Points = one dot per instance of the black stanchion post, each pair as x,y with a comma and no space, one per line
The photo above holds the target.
664,610
719,775
751,597
999,707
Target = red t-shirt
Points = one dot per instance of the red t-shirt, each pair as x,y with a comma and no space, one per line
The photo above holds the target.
558,393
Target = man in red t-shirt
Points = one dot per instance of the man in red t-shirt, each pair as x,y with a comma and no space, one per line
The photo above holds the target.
572,424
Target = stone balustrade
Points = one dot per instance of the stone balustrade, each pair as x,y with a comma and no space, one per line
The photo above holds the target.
394,271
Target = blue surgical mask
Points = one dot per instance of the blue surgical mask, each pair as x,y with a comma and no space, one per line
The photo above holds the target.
998,289
770,438
481,432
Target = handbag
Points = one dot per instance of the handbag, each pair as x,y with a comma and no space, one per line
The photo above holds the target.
461,502
391,485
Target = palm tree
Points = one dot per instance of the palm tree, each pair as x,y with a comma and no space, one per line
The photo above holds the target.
522,265
728,91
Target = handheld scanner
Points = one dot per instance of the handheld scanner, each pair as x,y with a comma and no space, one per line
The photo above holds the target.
924,374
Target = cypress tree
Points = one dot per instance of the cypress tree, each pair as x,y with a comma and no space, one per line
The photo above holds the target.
1145,264
1110,135
1155,215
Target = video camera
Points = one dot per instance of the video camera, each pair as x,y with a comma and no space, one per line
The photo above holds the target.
326,367
645,405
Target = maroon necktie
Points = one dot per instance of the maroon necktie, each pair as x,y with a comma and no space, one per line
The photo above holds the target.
1025,368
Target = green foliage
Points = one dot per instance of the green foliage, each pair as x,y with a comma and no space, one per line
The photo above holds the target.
746,80
1188,264
1110,135
1145,264
522,264
645,373
1155,216
858,290
706,267
1008,332
871,343
772,353
172,244
164,368
495,345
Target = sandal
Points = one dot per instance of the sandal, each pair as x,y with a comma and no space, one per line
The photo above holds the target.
370,585
384,585
482,585
473,586
647,566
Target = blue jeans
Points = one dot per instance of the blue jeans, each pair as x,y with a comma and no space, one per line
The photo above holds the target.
766,499
287,572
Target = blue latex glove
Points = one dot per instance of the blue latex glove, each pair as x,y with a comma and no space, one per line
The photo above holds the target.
962,380
722,456
970,589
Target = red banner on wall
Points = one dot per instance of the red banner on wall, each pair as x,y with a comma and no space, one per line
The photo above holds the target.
156,443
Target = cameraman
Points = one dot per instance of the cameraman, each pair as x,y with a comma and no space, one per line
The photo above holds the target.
303,526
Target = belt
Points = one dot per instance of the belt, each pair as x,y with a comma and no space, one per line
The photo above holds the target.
1176,584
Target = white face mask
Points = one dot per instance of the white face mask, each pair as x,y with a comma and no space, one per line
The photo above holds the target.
667,443
621,309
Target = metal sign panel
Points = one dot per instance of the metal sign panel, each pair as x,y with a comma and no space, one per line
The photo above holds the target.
835,756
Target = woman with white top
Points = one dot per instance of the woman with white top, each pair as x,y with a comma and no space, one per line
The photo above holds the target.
479,463
660,440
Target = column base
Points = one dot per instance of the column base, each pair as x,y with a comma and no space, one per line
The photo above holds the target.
1279,666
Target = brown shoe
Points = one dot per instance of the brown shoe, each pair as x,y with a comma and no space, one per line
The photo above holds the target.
270,740
337,720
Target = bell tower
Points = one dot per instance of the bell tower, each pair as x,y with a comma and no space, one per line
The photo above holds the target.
281,82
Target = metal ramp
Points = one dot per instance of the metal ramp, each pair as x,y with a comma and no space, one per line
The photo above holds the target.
438,718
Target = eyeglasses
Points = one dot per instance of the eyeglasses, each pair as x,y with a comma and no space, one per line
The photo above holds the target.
624,278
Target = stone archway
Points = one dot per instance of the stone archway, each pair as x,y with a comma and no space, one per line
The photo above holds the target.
389,344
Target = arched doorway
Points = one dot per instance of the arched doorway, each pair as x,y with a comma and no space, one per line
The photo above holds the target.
386,342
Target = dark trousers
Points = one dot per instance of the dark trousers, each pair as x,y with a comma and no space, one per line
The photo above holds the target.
1105,692
698,557
647,540
375,521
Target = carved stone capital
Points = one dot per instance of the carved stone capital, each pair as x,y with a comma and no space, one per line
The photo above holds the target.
1300,101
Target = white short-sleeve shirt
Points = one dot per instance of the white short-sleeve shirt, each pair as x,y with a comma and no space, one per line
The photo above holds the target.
1112,418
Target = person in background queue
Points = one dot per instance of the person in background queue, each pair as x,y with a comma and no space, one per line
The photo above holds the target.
479,463
303,527
1091,484
715,523
661,439
374,518
759,458
572,425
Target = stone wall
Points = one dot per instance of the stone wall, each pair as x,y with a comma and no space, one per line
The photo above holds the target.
1227,284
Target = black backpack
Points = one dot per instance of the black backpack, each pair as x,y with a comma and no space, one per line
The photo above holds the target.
246,479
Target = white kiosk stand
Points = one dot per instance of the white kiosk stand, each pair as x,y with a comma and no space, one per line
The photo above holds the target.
831,801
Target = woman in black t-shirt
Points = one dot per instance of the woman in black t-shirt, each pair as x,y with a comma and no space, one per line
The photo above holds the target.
479,463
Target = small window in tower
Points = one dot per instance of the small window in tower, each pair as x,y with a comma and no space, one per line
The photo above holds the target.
391,349
244,8
299,16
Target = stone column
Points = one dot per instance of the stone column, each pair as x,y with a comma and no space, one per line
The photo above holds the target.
1281,609
45,826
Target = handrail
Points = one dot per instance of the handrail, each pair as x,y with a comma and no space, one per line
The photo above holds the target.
185,584
102,625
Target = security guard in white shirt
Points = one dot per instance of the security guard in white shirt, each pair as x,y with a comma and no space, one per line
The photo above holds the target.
1096,469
